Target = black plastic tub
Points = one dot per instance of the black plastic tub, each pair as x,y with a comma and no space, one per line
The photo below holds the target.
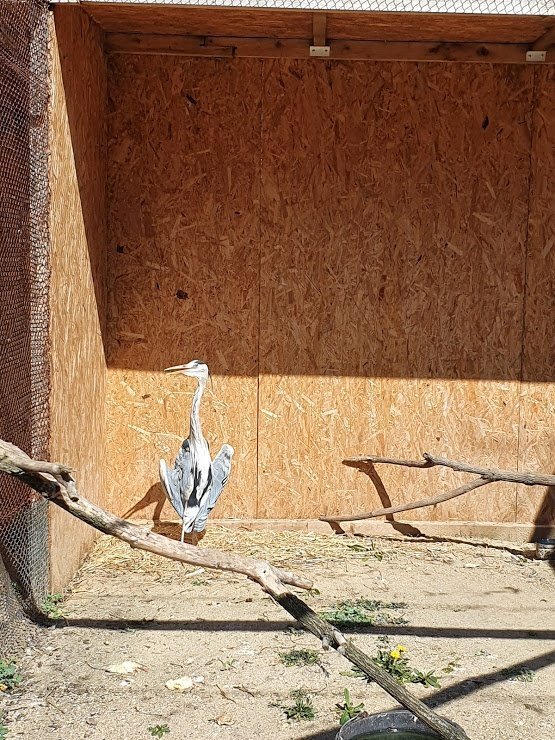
396,725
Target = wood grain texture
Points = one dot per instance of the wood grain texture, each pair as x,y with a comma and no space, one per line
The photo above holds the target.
184,153
359,226
537,417
194,21
386,198
78,274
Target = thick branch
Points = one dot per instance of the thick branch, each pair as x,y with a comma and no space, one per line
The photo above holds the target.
476,483
430,461
487,475
324,631
64,494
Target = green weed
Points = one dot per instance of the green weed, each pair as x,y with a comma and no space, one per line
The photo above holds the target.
9,677
159,730
300,657
347,710
302,708
525,675
396,663
354,614
51,606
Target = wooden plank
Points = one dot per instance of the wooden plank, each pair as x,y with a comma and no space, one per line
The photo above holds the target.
391,298
545,40
319,28
224,46
184,163
194,21
193,46
77,223
537,425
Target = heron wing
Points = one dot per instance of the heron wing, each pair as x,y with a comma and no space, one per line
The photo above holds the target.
177,482
221,467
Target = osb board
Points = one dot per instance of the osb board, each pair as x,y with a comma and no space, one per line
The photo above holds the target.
393,227
78,274
195,21
184,161
537,422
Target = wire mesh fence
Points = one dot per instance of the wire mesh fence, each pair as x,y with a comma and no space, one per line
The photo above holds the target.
479,7
24,302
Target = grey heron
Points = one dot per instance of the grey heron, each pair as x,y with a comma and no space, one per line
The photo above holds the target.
196,481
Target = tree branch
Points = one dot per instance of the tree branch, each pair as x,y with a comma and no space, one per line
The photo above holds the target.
487,475
54,482
430,461
62,492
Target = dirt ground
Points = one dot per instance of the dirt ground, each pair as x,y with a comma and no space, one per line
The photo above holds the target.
480,616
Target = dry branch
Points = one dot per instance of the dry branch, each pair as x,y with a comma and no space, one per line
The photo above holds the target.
486,476
54,482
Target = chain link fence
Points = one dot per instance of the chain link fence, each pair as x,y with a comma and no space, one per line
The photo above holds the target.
479,7
24,85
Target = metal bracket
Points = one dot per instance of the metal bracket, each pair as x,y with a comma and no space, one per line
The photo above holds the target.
535,56
319,51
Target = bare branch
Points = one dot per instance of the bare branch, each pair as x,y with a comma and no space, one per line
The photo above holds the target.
476,483
487,475
63,493
430,461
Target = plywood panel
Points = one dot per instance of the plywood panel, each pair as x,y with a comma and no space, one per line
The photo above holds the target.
78,274
537,427
184,151
194,21
393,225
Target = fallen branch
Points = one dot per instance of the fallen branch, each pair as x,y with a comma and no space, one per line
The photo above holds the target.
487,475
55,483
62,492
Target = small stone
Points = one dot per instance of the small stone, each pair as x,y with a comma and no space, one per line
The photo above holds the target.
185,683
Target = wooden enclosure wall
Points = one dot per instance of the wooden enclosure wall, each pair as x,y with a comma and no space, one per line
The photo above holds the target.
348,246
78,274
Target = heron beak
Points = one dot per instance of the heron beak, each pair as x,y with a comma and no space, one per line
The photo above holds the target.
176,369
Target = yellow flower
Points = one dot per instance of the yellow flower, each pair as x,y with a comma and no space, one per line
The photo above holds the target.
395,654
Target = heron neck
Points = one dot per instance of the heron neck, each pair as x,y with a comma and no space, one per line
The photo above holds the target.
196,430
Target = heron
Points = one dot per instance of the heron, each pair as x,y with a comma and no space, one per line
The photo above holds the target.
196,481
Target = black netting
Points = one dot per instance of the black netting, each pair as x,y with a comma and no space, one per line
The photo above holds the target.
479,7
23,302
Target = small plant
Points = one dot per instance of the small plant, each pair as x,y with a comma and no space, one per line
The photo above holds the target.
300,657
395,662
3,730
159,730
198,582
363,612
51,606
302,708
525,675
9,677
348,710
451,666
372,552
227,665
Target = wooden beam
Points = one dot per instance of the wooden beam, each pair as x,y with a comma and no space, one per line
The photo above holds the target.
545,40
319,29
169,44
231,46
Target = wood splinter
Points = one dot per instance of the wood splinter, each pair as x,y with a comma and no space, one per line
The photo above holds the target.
55,483
486,476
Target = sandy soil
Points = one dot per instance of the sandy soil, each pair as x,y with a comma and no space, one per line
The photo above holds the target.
487,611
